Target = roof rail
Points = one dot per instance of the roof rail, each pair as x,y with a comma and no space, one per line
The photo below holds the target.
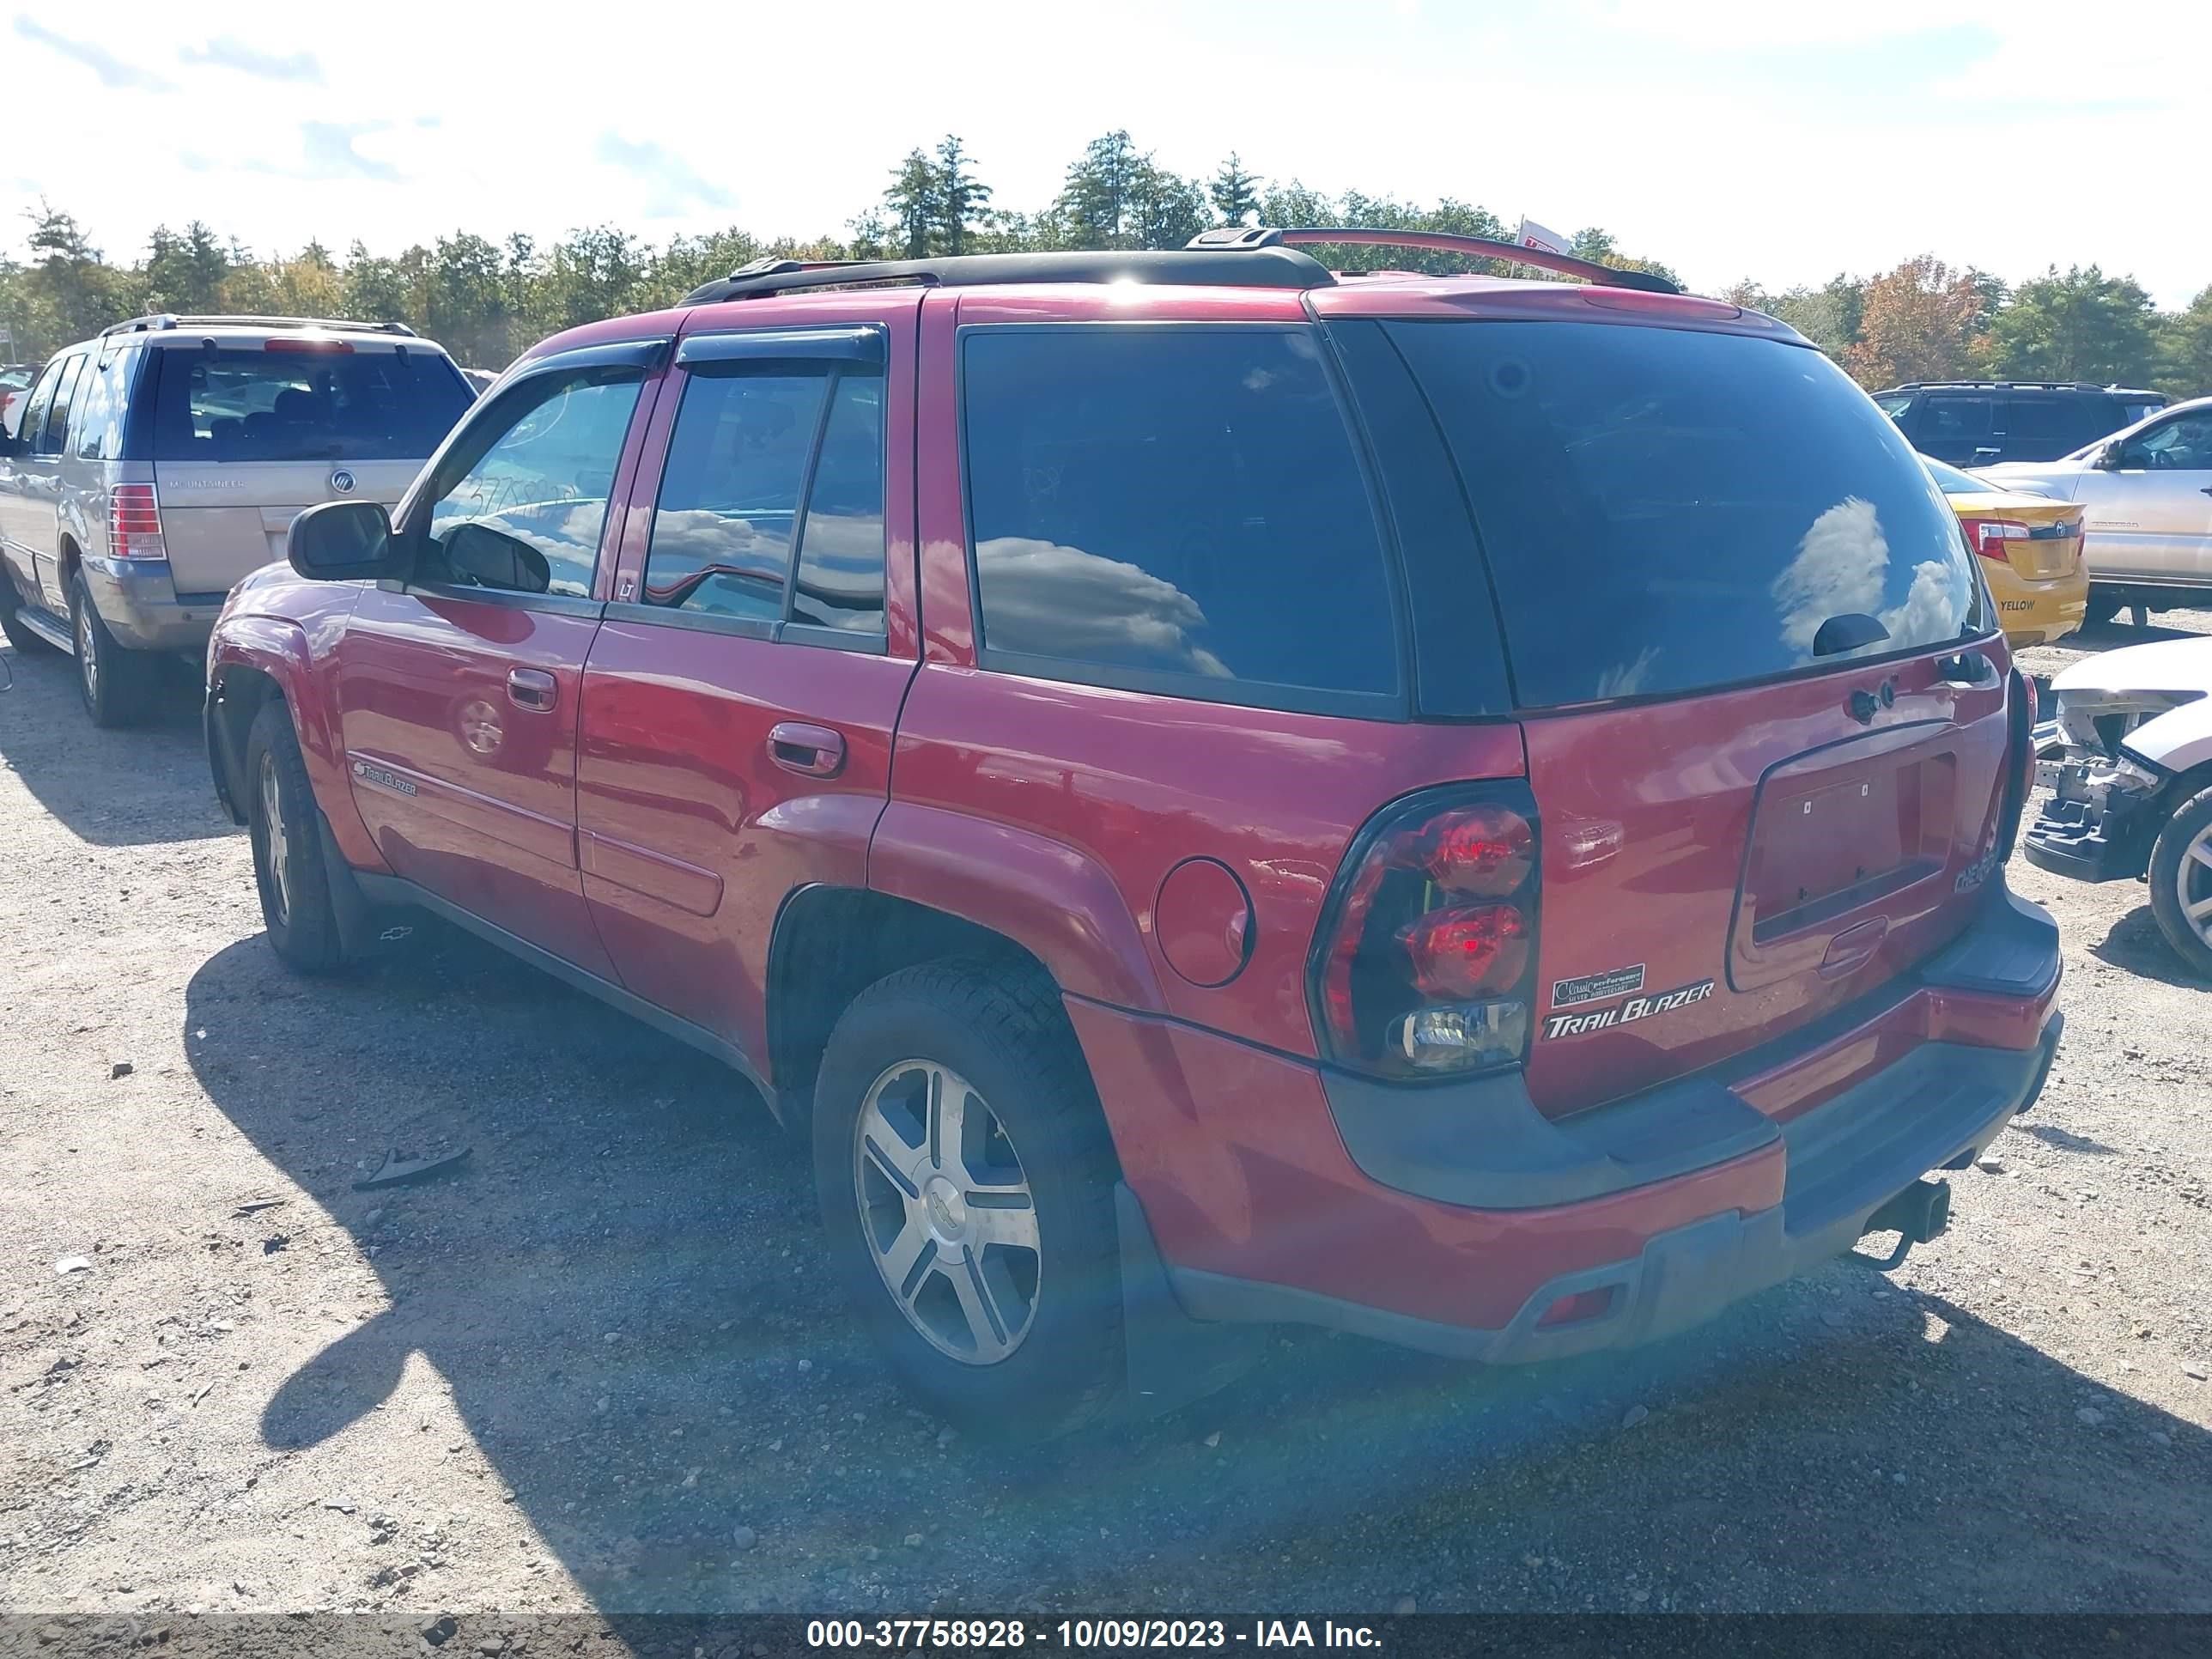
170,319
1242,237
1199,266
2000,385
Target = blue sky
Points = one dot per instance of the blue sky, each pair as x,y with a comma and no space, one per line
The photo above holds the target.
1782,143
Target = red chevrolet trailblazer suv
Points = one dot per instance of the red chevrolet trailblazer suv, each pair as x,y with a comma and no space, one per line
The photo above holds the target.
1466,811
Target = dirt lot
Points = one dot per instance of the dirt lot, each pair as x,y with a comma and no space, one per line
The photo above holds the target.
599,1369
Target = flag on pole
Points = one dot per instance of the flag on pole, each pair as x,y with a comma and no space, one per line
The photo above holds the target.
1532,235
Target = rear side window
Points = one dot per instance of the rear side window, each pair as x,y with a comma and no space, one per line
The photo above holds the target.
250,403
2043,428
774,469
1946,419
1173,508
57,416
1667,511
101,395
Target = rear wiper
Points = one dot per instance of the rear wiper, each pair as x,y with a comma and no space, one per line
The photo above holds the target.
1848,630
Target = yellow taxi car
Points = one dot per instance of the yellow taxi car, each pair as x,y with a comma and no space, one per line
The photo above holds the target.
2029,548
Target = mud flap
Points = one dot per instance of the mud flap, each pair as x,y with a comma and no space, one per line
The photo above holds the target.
1173,1359
365,930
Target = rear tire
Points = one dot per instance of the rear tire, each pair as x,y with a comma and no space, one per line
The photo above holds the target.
117,685
2181,881
288,851
1001,1231
2104,605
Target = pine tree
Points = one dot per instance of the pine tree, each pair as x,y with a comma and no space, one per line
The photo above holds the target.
1234,193
961,198
912,199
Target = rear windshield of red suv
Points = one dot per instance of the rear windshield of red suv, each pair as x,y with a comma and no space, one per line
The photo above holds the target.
255,405
1666,511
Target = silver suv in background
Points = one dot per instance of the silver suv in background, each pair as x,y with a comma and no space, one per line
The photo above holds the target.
156,466
2147,532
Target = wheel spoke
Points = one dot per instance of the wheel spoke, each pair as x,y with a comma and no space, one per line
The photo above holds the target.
2201,850
1010,1224
912,1244
948,1117
2198,911
888,1151
987,1324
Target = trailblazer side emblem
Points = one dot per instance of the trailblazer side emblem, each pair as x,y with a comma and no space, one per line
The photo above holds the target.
1622,1013
376,775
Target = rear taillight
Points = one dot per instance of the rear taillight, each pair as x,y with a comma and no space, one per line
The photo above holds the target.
134,522
1990,537
1427,957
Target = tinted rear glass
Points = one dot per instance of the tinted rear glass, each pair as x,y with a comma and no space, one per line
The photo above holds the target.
1667,511
2042,428
249,404
1178,506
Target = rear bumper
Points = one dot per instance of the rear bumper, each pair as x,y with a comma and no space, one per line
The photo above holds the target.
137,598
2096,826
1456,1223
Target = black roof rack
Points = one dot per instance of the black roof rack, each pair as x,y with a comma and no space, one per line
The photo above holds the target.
1283,269
1232,256
169,319
1238,238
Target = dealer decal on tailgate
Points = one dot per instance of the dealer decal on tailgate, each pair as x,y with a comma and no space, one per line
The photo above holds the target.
1665,1002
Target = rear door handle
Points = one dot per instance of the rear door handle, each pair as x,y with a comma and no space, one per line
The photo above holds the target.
814,751
531,687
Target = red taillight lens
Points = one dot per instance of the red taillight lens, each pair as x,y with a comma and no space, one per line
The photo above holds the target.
1486,850
1411,979
1459,954
1990,537
134,522
2027,688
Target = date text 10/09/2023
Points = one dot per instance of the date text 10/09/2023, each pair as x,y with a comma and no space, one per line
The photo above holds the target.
1084,1635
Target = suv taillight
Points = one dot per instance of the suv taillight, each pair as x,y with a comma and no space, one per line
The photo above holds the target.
1989,537
1427,951
134,522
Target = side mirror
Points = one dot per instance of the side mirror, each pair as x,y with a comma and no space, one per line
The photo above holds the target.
492,558
11,447
344,542
2110,459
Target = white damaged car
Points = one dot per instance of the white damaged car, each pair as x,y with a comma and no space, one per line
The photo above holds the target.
2128,758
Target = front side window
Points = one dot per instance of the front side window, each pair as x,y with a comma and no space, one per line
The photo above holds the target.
1666,510
1176,503
771,502
526,514
33,420
1950,419
2183,444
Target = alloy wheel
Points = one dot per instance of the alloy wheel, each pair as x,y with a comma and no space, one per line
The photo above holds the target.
88,660
277,846
946,1212
2192,881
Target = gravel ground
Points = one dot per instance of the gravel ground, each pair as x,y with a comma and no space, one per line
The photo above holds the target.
598,1369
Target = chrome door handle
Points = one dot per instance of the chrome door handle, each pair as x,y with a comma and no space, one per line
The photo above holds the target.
531,687
813,751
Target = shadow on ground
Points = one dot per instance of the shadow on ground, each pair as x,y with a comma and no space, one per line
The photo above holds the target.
2135,942
110,788
624,1288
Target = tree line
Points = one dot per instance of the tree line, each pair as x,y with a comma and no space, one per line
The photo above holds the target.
486,301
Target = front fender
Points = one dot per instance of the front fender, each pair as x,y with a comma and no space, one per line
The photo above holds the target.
1054,900
277,649
2179,740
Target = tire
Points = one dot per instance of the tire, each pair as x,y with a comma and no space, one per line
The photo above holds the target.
117,685
11,625
1049,1357
287,849
2181,879
2104,605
